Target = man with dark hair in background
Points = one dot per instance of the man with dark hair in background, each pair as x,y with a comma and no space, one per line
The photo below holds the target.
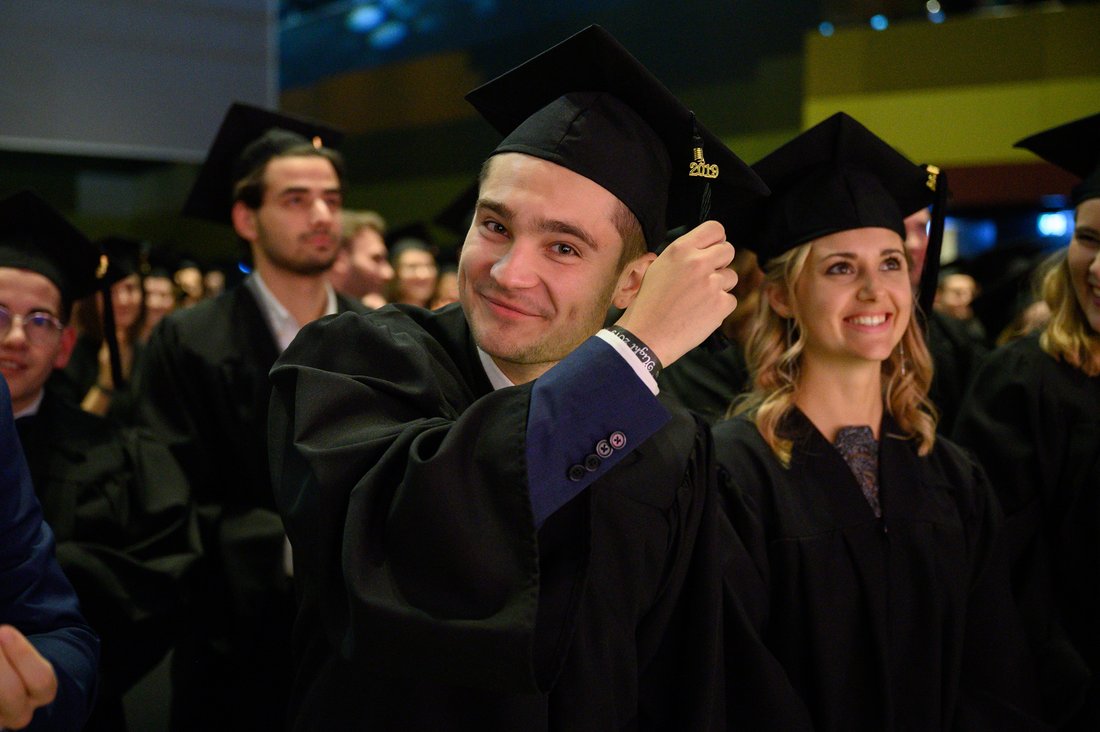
206,391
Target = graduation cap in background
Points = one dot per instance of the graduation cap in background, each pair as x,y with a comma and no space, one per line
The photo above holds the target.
415,235
36,237
457,216
836,176
124,257
159,261
248,137
588,105
1074,146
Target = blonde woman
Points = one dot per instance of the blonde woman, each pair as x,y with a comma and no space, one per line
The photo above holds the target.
1033,417
887,607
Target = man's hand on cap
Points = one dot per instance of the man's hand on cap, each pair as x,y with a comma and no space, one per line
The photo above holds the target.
685,295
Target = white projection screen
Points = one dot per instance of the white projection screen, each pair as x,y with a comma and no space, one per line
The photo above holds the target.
136,79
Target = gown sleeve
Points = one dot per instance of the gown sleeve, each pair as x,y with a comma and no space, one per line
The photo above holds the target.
412,502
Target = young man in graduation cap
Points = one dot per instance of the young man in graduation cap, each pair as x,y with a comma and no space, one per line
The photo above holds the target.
494,518
117,501
279,182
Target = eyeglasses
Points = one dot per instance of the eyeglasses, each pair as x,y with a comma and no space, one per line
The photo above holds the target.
41,329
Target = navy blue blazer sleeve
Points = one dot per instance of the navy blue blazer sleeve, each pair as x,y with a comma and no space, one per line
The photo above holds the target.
35,596
586,413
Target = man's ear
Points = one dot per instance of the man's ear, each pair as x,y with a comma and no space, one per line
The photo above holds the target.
630,280
777,298
65,347
244,221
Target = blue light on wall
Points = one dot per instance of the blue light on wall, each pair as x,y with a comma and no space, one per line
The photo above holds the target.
826,29
1054,224
879,22
389,34
365,18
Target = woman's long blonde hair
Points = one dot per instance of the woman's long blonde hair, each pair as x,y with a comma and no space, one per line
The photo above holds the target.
774,357
1068,336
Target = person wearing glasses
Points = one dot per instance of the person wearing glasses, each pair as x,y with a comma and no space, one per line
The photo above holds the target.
117,502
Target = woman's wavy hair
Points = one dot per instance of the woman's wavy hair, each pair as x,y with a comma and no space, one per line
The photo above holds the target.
1067,336
774,357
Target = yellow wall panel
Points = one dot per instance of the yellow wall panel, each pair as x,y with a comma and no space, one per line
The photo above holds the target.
964,125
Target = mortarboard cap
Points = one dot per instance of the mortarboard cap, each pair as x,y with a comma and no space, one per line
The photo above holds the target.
457,216
836,176
124,258
36,237
1074,146
414,235
588,105
248,137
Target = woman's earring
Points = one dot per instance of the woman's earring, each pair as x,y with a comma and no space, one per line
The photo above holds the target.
901,353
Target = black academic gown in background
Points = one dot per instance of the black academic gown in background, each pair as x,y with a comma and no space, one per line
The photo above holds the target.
205,390
429,600
82,373
1034,422
956,356
126,537
903,623
707,381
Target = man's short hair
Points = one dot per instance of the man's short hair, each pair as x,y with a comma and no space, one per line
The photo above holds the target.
250,189
356,221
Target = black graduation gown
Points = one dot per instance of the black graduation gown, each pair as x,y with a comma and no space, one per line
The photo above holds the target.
126,537
205,390
1034,423
956,356
428,600
707,382
82,372
890,624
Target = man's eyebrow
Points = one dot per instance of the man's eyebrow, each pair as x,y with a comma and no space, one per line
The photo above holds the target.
305,189
556,226
497,207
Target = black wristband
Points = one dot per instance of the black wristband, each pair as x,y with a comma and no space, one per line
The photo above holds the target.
648,358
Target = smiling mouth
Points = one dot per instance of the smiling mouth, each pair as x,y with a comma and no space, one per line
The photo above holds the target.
506,308
869,321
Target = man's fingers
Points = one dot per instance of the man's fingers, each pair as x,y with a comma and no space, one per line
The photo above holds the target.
36,672
727,279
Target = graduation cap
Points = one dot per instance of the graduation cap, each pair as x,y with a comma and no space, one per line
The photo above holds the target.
588,105
410,236
1074,146
36,237
457,216
836,176
248,138
124,258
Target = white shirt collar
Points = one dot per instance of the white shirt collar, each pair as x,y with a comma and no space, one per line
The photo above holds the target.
496,376
31,408
283,325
